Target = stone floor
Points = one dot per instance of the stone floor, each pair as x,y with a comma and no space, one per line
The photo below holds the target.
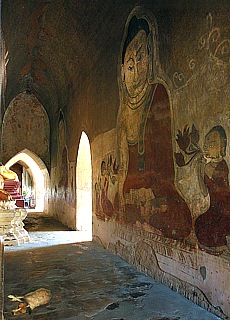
86,281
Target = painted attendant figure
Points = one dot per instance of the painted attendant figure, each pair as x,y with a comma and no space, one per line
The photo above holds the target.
213,226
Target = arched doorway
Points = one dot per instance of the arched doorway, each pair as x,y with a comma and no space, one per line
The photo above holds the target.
84,186
38,172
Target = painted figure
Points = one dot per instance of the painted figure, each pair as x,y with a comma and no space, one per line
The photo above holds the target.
62,160
213,226
146,182
106,204
106,190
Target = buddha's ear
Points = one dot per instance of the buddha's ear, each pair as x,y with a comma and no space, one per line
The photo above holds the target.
223,151
150,52
149,44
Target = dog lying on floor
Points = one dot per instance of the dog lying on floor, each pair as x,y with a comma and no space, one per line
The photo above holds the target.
31,300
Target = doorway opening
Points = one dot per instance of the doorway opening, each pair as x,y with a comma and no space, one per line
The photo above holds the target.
34,180
84,186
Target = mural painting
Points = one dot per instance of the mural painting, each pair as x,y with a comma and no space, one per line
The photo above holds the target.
106,189
169,186
148,196
136,186
62,160
26,119
212,226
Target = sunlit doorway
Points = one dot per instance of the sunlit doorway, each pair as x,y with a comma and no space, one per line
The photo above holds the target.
38,173
84,186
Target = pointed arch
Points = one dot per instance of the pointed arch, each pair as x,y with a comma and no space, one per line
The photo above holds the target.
40,176
84,186
25,126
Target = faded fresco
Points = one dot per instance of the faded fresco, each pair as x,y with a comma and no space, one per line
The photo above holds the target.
140,185
25,126
213,226
202,113
148,195
62,160
106,187
162,197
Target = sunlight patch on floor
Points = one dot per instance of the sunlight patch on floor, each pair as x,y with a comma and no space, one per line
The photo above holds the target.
40,239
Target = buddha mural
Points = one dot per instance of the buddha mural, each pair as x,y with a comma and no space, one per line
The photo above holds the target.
147,192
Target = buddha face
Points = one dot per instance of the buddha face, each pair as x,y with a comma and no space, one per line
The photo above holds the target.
213,146
135,68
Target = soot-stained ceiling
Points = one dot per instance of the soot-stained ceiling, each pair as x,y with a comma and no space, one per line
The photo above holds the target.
51,46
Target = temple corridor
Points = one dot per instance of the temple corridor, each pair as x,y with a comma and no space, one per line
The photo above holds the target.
115,129
86,281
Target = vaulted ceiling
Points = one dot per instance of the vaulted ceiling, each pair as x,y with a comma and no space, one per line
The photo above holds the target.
51,46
